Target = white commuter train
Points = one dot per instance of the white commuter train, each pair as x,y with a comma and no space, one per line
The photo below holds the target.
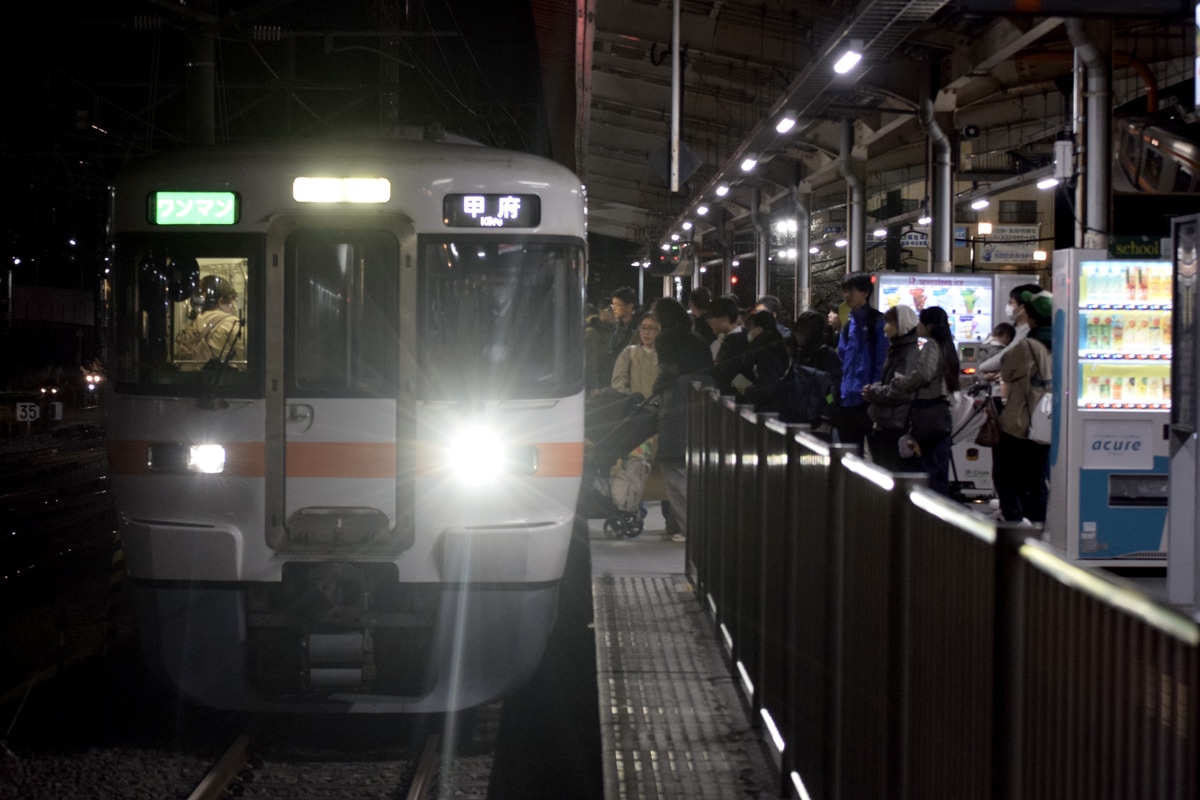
361,498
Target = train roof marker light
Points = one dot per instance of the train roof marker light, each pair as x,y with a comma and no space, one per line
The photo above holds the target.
341,190
849,58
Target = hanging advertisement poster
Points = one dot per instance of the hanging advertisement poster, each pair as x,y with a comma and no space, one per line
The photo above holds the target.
1009,244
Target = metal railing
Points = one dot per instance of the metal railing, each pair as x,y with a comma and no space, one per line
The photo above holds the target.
892,644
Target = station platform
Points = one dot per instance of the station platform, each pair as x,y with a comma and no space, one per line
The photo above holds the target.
672,723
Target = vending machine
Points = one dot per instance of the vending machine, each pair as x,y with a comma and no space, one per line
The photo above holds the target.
974,302
1112,406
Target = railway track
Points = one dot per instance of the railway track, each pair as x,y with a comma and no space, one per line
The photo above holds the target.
429,772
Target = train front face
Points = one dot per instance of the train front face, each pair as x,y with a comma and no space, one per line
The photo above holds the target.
359,498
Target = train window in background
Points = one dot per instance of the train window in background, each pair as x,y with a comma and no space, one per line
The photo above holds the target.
341,312
1152,171
1183,180
499,319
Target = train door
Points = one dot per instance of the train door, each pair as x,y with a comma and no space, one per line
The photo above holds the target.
343,403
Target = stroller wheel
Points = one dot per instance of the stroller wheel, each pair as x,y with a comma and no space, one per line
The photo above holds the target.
634,525
614,527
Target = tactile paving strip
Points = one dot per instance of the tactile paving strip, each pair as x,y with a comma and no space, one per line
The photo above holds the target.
672,724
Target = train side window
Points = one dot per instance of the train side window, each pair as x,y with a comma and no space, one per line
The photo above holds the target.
1152,170
1183,180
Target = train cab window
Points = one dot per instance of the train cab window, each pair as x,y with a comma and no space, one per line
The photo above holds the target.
342,317
184,311
499,319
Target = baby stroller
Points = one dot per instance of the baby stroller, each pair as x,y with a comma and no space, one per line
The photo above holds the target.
618,431
970,464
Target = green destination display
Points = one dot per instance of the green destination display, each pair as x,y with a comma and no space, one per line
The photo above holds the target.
193,208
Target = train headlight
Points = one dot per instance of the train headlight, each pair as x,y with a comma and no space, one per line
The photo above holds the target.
480,455
207,458
477,455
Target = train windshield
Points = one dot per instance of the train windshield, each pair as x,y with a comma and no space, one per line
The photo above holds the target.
500,319
185,308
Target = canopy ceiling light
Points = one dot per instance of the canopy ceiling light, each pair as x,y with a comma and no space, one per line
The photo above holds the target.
702,210
722,190
749,162
1047,183
980,204
849,58
786,122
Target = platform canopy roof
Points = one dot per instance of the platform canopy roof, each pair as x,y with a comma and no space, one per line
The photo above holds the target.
1002,85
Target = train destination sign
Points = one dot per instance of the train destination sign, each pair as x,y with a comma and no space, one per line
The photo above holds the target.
193,208
492,210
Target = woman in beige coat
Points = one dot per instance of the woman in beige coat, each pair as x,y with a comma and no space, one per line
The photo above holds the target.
636,368
1019,468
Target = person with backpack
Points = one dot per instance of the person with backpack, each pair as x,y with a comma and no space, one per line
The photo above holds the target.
862,348
888,407
767,359
808,391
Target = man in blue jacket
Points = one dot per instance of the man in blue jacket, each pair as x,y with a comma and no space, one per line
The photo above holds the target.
862,348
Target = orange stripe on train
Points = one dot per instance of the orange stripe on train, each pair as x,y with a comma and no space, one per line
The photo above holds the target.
339,459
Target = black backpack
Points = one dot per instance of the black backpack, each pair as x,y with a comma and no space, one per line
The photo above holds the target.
805,395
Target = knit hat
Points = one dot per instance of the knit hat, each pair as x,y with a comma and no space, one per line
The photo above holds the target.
1039,306
906,319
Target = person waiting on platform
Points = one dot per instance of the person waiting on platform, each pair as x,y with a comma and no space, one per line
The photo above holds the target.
637,365
931,384
862,347
682,357
889,406
1020,464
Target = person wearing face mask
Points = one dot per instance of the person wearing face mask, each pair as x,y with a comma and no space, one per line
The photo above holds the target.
990,368
887,405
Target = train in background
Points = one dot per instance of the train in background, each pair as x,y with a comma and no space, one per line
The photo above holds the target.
1158,156
346,420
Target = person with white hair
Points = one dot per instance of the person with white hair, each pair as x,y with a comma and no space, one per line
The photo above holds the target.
888,407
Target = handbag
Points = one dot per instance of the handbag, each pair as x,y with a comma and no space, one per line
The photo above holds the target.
929,419
989,432
1040,422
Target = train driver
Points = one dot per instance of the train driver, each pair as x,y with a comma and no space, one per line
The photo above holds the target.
217,328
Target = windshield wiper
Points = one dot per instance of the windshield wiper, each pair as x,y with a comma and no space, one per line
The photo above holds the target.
214,371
